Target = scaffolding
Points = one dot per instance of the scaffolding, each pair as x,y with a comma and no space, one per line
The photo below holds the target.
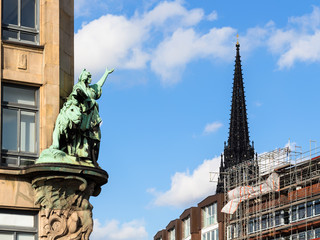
290,212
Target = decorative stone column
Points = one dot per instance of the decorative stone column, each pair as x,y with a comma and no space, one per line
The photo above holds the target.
63,193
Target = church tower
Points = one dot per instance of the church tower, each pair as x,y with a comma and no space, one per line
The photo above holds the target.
238,149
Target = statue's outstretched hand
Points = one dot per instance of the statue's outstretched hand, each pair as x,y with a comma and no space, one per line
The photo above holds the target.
104,77
109,71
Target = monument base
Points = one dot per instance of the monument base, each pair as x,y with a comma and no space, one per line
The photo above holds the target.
63,192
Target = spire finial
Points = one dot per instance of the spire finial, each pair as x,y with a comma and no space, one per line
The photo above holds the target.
237,39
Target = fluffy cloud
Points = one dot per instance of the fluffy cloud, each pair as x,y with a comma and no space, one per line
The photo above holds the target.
299,41
304,49
172,11
129,43
188,188
212,127
185,45
110,41
113,230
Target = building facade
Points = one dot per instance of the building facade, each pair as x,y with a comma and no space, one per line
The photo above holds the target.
197,223
36,76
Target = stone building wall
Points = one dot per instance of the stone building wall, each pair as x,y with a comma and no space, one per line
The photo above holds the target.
47,65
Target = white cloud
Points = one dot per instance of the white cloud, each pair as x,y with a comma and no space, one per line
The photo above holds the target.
185,45
212,16
129,43
172,11
212,127
255,37
299,41
308,21
305,49
188,188
113,230
111,41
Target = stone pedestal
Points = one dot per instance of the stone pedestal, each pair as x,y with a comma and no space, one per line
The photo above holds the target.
63,192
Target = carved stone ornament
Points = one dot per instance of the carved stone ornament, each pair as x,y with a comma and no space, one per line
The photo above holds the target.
66,213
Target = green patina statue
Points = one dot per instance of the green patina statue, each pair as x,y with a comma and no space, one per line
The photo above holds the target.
76,137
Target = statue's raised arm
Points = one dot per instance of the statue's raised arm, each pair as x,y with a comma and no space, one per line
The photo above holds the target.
104,77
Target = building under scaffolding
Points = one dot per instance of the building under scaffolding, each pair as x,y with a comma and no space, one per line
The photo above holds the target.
289,211
274,195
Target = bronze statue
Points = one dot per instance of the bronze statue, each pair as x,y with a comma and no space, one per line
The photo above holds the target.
76,137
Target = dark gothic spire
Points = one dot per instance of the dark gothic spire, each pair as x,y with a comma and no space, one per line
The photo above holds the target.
238,148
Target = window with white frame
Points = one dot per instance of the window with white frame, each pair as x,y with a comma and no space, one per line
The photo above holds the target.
18,225
209,214
19,125
172,234
20,21
210,235
186,227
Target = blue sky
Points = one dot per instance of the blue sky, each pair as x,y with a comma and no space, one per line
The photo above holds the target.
166,107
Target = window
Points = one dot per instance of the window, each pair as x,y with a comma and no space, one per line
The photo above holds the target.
302,236
19,125
270,220
257,224
251,226
230,233
18,225
233,231
309,209
20,20
172,234
317,207
286,216
211,235
264,222
186,227
294,213
210,215
301,211
277,218
310,234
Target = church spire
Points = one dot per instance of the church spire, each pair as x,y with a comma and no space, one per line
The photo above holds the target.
238,149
